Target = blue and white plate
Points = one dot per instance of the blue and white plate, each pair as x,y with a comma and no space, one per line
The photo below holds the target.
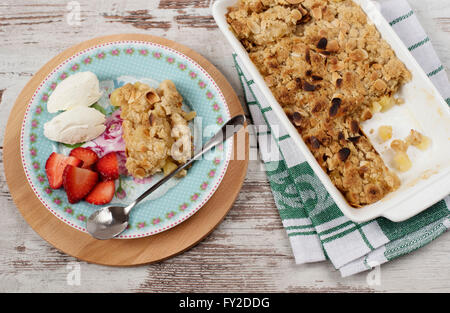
115,64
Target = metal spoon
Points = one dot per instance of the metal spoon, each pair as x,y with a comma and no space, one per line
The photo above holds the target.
110,221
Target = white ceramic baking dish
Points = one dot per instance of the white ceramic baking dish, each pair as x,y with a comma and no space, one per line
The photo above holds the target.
424,110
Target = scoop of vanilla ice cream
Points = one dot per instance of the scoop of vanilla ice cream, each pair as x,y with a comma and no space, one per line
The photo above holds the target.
81,89
77,125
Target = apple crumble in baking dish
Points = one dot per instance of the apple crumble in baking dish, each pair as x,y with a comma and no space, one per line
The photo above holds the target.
330,70
155,128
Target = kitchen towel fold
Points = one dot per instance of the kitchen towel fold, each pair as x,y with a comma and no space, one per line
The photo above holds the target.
316,228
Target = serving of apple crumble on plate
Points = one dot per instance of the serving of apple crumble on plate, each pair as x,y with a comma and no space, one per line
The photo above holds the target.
155,128
330,70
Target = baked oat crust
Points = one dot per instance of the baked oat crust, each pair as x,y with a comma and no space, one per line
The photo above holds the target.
326,66
155,127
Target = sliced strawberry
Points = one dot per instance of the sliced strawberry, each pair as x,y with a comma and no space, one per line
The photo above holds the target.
102,193
54,168
108,166
78,182
86,155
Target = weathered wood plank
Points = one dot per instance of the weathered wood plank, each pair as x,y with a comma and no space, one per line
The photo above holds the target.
183,4
140,19
196,21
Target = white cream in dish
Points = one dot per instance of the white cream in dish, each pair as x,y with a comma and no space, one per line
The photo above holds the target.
81,89
77,125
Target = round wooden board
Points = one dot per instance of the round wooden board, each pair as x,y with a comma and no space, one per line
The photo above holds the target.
120,252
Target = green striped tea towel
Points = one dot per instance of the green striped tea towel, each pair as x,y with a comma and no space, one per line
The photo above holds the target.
316,228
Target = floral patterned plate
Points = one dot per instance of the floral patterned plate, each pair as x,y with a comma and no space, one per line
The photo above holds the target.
115,64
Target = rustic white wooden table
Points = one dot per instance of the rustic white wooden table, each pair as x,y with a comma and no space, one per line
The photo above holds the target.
249,251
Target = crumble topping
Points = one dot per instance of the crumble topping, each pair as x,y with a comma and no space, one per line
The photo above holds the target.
418,140
155,128
328,68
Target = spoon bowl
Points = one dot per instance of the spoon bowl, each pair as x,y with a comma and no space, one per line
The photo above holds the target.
107,222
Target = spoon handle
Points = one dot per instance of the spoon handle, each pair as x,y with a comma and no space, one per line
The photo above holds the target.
236,123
